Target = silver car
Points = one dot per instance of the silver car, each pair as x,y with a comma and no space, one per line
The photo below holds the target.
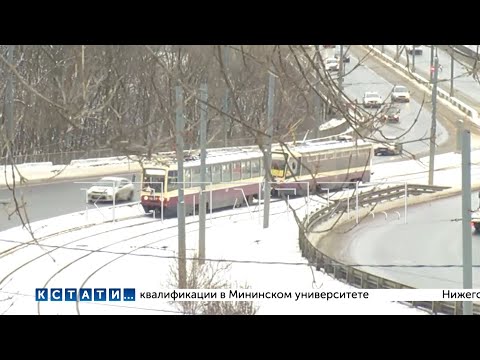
371,99
109,188
400,94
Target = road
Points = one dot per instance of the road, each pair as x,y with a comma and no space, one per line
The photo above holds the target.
432,236
415,121
466,87
48,200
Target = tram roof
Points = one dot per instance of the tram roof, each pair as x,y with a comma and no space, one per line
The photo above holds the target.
225,155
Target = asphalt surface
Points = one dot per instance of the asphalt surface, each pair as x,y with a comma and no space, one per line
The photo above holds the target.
43,201
432,236
415,119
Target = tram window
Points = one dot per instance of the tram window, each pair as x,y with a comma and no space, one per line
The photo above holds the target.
172,181
153,182
195,176
255,168
187,178
236,170
293,166
226,172
311,160
262,170
246,169
208,173
216,173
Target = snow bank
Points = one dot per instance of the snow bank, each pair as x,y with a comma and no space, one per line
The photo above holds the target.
34,174
331,124
101,161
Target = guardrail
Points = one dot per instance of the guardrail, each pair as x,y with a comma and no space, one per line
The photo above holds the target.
468,110
467,51
360,278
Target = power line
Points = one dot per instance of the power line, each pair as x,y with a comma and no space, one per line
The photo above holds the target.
259,262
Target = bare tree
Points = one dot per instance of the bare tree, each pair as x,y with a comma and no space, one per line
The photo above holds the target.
122,98
211,275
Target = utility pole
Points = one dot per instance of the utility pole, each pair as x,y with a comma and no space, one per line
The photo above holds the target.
225,99
318,109
413,58
340,72
319,116
84,86
397,53
267,154
324,111
431,62
452,71
433,128
203,159
9,105
182,261
466,218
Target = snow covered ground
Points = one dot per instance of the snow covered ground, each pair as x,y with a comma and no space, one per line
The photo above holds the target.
137,252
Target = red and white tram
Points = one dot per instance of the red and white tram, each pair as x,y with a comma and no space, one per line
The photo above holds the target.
233,175
228,172
321,164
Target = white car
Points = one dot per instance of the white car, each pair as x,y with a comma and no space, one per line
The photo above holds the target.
400,93
372,99
108,188
331,64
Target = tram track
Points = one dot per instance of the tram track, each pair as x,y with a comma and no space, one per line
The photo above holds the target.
122,255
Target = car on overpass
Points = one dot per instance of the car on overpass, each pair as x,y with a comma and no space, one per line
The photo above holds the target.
331,64
371,99
391,114
400,94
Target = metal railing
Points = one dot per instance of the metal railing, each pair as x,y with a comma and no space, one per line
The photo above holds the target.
62,158
360,278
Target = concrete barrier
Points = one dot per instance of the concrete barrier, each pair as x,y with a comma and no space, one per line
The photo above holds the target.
28,165
99,161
